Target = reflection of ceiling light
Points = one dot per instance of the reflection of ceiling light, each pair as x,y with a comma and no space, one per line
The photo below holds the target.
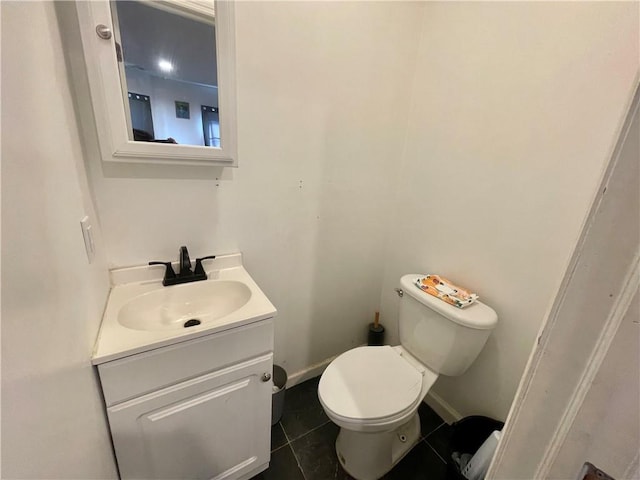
165,65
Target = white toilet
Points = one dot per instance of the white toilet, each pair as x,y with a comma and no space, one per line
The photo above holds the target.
373,393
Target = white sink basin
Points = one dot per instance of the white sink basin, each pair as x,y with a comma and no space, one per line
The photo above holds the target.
142,315
170,308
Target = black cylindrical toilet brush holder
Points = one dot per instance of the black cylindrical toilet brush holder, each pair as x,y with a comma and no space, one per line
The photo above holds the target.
376,332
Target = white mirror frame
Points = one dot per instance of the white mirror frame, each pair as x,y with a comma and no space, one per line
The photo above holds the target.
109,105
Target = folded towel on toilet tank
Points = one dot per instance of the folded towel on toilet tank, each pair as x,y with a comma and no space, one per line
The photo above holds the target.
446,290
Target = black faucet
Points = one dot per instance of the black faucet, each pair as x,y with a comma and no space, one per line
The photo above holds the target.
185,263
185,274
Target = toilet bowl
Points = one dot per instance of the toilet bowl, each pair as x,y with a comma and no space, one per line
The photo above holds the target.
373,393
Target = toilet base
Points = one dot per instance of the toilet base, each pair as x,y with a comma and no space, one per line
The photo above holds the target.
368,456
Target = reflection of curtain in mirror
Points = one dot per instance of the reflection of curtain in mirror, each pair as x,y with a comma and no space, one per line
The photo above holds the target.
140,108
210,126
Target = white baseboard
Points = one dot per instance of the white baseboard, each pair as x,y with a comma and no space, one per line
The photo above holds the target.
309,372
442,408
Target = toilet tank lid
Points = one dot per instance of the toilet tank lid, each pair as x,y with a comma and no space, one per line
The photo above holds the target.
478,315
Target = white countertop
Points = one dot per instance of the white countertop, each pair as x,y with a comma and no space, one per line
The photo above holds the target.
117,341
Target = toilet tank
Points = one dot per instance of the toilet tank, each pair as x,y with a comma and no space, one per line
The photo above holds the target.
445,338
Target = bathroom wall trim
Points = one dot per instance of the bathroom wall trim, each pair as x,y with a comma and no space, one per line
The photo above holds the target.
442,408
311,372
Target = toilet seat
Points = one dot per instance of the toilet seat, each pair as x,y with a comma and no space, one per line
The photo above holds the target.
370,385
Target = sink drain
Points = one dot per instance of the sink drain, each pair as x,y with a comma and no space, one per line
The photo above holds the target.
192,323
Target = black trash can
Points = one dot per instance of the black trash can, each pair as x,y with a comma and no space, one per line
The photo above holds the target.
279,389
467,436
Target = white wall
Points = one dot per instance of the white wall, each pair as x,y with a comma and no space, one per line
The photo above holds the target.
323,103
53,424
164,93
514,113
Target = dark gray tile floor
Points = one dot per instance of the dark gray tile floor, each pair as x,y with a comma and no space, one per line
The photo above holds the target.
303,443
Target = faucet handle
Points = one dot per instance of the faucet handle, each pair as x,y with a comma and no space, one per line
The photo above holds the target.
169,273
199,268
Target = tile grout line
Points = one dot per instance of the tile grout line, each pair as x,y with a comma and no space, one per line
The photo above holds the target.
293,451
309,431
435,451
290,443
297,461
285,433
431,447
425,436
281,446
285,437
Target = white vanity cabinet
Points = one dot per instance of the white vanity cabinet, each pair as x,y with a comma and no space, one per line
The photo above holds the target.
199,409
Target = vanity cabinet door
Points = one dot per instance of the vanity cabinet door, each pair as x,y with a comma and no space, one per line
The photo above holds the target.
211,427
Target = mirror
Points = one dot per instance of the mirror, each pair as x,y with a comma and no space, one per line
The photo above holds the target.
168,73
161,79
